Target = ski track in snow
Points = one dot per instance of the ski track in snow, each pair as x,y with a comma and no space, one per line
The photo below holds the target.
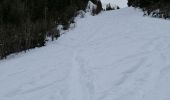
117,55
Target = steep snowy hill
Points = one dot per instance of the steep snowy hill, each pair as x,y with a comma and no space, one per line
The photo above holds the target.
117,55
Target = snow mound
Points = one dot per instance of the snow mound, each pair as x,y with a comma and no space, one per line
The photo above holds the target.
117,55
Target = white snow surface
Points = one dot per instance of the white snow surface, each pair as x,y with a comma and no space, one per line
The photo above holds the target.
117,55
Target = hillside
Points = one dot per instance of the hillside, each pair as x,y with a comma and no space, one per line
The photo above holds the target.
25,24
116,55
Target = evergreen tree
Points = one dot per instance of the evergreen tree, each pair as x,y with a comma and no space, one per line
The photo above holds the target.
24,24
156,8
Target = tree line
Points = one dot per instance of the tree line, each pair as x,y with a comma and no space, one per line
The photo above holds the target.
24,24
155,8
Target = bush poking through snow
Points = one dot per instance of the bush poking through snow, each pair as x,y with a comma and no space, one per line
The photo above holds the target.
94,7
111,7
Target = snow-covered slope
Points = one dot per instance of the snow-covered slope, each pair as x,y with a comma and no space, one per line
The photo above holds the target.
117,55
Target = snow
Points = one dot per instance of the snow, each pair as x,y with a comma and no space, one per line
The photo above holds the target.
117,55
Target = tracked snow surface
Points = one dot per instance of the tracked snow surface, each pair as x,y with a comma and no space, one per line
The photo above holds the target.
117,55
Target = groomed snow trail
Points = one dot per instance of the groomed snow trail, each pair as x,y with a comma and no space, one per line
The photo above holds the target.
117,55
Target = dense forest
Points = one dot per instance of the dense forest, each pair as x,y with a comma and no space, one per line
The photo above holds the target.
25,24
155,8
